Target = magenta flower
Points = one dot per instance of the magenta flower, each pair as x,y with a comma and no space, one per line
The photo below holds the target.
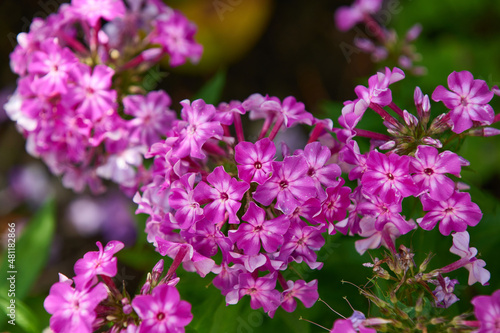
378,91
374,238
384,212
388,176
455,213
257,231
153,118
301,241
290,111
346,326
317,157
52,65
261,291
334,207
348,17
224,196
188,210
255,160
162,311
428,169
289,184
93,10
198,128
73,310
97,263
92,93
307,293
468,100
487,311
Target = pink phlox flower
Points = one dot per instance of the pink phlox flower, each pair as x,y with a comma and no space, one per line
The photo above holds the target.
334,207
428,170
388,176
192,261
310,210
351,223
250,262
351,154
301,242
196,128
224,196
444,291
227,276
95,263
253,105
346,326
378,91
152,116
306,292
289,184
322,172
487,311
73,310
347,17
385,212
176,36
255,160
51,65
227,111
207,238
188,210
92,93
454,214
93,10
261,290
477,272
162,311
289,110
373,238
468,100
258,231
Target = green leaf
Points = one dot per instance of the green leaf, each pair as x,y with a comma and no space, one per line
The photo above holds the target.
31,251
24,320
212,90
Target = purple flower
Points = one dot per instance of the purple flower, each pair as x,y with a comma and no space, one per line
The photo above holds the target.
257,231
73,310
306,292
300,243
455,213
378,91
162,311
224,196
444,296
198,127
334,207
322,173
428,169
289,184
97,263
290,111
374,238
261,290
153,118
93,10
348,17
468,100
388,176
92,93
188,210
255,160
487,311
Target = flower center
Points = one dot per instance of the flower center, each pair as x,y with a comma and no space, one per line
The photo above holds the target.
390,176
283,184
257,228
428,171
224,196
311,172
160,316
449,210
463,101
257,165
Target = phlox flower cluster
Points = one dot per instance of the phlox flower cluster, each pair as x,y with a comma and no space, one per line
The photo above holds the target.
378,41
95,303
78,102
231,207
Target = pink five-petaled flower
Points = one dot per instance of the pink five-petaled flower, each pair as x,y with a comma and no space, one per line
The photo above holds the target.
306,292
468,100
487,311
455,213
348,17
224,196
378,91
249,236
301,241
289,184
93,10
428,169
261,290
198,129
289,111
73,310
97,263
188,210
162,311
255,160
152,116
92,93
468,259
388,176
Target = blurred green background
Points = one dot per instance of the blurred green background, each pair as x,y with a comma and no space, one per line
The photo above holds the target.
280,48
